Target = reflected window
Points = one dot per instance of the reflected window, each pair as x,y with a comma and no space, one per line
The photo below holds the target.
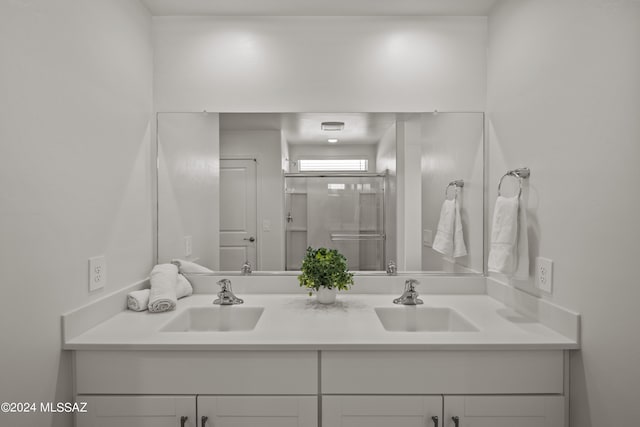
333,165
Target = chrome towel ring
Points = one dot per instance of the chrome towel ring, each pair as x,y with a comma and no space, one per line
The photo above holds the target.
520,173
458,183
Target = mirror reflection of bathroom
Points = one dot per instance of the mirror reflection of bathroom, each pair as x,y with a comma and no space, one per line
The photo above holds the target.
261,187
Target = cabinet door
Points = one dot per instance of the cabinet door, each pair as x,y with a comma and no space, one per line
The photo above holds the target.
254,411
137,411
381,411
504,411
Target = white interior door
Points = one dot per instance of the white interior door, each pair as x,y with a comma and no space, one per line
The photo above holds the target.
238,213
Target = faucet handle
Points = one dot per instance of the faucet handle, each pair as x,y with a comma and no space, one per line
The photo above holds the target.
410,285
225,285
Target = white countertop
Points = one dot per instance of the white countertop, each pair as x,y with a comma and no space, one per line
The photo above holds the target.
298,322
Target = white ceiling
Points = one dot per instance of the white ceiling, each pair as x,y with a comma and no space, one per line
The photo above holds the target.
320,7
304,128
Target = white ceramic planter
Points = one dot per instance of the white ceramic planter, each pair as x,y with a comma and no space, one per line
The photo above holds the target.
326,296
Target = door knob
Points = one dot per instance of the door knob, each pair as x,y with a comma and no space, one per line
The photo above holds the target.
251,239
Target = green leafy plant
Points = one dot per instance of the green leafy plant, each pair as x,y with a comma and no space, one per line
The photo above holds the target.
326,268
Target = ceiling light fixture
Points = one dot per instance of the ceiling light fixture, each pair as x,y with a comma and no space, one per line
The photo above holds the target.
332,126
332,140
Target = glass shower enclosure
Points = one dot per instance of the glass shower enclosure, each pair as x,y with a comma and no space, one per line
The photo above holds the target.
336,211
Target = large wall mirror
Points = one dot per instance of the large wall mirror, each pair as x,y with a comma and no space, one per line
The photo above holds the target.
379,187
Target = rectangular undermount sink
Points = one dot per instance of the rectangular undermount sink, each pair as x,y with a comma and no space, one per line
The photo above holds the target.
423,319
216,318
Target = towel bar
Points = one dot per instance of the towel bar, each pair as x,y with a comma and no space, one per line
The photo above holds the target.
458,183
520,173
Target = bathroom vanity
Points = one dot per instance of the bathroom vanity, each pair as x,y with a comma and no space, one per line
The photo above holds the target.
284,360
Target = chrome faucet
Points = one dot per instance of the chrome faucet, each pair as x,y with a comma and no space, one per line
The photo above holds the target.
392,270
409,296
226,296
246,268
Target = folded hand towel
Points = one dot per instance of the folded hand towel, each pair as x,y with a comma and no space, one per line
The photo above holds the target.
189,267
163,288
504,236
449,239
138,300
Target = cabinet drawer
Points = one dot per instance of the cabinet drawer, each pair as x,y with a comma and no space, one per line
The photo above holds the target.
442,372
196,372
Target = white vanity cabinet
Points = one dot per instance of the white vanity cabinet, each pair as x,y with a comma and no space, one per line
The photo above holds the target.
137,411
340,388
504,411
409,388
381,411
263,411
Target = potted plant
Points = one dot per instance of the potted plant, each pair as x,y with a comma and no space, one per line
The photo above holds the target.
325,271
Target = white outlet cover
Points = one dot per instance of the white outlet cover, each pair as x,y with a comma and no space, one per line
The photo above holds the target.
544,274
97,273
188,245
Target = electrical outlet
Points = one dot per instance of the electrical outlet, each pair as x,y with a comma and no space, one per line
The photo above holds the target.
188,245
427,238
544,274
97,273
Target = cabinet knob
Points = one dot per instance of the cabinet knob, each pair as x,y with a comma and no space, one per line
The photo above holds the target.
456,421
183,420
435,421
203,420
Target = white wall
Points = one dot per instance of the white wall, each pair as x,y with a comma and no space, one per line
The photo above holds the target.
75,119
564,100
452,148
264,146
317,64
189,187
409,216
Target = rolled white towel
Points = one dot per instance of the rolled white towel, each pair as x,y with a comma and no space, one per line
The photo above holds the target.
162,296
189,267
183,287
138,300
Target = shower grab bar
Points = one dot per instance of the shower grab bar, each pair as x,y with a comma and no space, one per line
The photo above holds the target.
356,236
520,174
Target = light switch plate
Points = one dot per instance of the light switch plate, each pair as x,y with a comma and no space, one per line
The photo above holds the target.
427,238
97,273
188,245
544,274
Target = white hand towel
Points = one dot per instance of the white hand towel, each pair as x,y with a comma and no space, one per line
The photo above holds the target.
449,238
138,300
504,236
459,247
522,254
189,267
162,296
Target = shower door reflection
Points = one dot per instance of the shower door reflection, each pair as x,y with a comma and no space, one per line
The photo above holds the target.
343,212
